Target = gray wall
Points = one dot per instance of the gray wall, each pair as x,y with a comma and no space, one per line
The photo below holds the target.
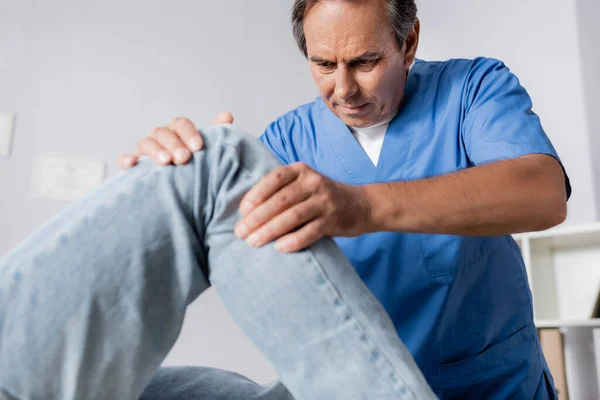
539,41
588,15
88,79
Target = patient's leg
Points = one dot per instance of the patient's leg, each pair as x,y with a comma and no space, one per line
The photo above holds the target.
183,383
91,303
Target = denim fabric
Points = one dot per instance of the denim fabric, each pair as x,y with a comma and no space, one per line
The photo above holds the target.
192,383
92,302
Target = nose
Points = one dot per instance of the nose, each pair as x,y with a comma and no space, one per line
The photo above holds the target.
345,84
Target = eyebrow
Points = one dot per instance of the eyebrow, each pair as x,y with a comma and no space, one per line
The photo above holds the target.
369,55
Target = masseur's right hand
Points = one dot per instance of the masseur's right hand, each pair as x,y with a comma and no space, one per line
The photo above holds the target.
171,144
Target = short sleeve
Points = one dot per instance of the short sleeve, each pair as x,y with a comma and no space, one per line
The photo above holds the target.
274,140
498,119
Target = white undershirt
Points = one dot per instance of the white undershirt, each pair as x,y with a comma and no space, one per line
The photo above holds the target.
371,138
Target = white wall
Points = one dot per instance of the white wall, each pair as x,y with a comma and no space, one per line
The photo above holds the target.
538,40
88,79
588,13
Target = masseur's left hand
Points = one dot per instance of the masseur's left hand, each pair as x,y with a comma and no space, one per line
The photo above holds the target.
297,206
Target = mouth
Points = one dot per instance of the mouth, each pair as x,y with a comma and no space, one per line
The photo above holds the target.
353,109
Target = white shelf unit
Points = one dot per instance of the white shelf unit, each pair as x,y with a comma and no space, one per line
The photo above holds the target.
563,268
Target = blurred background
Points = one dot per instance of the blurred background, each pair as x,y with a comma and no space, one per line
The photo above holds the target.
85,80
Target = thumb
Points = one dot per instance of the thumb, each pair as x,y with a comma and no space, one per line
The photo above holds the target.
223,118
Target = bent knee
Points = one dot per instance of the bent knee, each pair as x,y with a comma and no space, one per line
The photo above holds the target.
249,149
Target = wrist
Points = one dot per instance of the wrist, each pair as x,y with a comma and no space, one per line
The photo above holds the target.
374,214
387,207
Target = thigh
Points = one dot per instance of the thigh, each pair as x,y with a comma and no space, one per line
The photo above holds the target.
186,383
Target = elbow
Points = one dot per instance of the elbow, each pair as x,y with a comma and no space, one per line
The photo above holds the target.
557,214
554,213
552,194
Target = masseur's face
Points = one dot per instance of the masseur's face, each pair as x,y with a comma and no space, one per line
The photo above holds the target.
355,60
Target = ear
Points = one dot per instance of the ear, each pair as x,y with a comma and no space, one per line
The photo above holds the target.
412,43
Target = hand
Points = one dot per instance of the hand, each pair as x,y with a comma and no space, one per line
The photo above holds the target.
173,143
296,196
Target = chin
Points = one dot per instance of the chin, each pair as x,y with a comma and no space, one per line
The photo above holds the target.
357,122
360,120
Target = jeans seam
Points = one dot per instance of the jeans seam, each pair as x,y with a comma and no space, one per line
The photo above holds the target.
363,331
196,198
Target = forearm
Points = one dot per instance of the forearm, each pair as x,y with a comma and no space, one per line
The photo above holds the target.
511,196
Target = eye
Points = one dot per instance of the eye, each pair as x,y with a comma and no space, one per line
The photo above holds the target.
366,63
326,65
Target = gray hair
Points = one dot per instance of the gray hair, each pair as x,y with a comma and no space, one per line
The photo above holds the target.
402,16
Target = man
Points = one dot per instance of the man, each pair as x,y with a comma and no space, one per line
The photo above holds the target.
421,171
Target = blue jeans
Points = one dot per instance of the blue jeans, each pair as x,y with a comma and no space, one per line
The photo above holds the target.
92,302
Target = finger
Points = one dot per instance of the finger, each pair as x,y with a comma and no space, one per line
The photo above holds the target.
127,161
171,142
223,118
284,199
302,238
285,223
266,187
187,132
151,148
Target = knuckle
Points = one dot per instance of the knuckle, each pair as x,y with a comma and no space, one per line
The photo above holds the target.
265,233
315,230
154,132
143,144
282,175
167,136
302,166
283,201
315,181
178,120
279,175
311,233
328,205
252,221
329,200
297,215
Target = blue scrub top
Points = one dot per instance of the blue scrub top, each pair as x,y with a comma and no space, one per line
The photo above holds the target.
462,305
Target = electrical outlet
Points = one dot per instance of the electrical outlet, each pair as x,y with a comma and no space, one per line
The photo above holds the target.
7,123
67,179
